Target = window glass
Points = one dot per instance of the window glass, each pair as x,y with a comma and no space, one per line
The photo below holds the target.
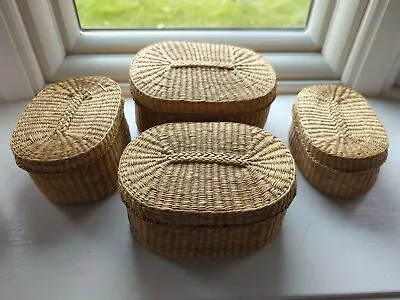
185,14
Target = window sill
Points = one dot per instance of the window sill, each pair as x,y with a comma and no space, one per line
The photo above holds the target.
326,246
294,70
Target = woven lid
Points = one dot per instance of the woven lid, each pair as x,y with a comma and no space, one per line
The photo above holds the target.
207,174
68,124
181,77
339,128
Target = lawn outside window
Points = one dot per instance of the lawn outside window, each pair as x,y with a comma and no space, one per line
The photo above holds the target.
188,14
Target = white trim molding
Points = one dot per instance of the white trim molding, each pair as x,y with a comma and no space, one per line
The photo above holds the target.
295,54
374,60
44,35
340,39
333,47
318,24
17,58
131,41
288,66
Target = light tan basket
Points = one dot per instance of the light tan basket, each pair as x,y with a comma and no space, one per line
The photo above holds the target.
181,82
337,140
206,190
339,128
333,182
70,139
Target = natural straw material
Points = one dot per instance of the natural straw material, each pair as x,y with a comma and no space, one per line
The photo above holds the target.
70,139
337,140
201,82
206,190
339,128
333,182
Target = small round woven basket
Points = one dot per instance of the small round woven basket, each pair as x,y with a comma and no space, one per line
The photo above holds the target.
337,140
206,190
183,82
70,139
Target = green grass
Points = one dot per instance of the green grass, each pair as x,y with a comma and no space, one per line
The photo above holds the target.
192,13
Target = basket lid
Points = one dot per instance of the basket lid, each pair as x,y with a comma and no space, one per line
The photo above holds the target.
182,77
206,174
68,124
339,128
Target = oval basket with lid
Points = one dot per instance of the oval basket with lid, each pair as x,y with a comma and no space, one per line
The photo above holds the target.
70,139
206,190
182,81
339,128
337,140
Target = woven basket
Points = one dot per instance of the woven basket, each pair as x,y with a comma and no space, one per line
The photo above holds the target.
70,139
206,190
327,180
339,128
183,82
337,140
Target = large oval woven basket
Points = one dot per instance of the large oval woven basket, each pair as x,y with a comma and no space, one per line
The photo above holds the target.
337,140
181,81
206,190
70,139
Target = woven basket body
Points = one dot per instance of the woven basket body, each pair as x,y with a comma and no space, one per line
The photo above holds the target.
328,180
337,140
183,82
70,139
206,190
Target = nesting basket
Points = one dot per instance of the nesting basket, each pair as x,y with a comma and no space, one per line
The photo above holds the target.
337,140
181,82
206,190
70,139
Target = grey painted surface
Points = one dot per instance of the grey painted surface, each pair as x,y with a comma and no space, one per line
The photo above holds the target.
326,246
398,79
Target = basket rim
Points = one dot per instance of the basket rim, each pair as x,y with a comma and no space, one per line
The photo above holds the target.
330,181
296,131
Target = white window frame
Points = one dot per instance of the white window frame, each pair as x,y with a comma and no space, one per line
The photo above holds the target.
336,47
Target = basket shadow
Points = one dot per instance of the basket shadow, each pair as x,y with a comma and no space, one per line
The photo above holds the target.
4,235
42,221
259,274
346,206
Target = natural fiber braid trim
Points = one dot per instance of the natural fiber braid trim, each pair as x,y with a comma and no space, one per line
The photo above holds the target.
202,63
325,179
339,128
208,158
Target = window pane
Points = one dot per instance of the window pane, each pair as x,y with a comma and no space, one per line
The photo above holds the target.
142,14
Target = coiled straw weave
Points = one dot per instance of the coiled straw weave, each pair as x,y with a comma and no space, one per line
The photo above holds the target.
70,139
337,140
181,82
206,190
